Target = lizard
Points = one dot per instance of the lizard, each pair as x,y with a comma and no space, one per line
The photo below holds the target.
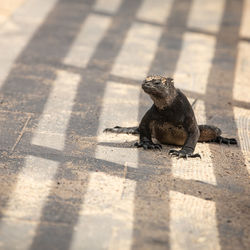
171,120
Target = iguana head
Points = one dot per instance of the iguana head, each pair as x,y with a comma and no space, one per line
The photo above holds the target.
161,89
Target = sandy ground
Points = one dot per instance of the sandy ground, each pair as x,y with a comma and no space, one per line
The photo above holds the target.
70,68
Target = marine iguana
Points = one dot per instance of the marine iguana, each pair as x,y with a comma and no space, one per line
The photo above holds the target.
171,120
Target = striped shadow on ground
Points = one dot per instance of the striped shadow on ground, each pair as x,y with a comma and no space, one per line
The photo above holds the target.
192,223
102,216
242,117
92,31
36,177
137,52
121,103
26,203
20,21
241,88
193,220
206,15
241,92
195,62
155,11
101,221
106,218
108,6
245,31
195,169
53,123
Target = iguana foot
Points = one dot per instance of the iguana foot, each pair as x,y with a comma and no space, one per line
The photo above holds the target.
148,145
182,154
224,140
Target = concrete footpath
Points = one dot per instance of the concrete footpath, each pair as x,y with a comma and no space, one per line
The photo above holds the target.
8,7
69,69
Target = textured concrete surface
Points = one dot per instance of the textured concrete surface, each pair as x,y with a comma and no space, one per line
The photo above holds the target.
70,68
7,7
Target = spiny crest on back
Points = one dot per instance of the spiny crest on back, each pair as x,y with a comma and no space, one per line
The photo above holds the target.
163,79
170,80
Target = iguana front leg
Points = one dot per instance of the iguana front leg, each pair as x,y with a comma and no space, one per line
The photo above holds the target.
190,143
146,133
183,153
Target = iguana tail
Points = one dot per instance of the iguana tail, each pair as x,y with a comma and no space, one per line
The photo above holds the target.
123,130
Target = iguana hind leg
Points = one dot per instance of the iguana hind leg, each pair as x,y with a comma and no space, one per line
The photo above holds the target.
209,133
221,139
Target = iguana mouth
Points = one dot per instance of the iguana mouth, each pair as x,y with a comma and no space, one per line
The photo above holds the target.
146,86
153,90
149,89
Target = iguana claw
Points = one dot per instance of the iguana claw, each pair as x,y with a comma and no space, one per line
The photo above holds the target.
148,145
182,154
